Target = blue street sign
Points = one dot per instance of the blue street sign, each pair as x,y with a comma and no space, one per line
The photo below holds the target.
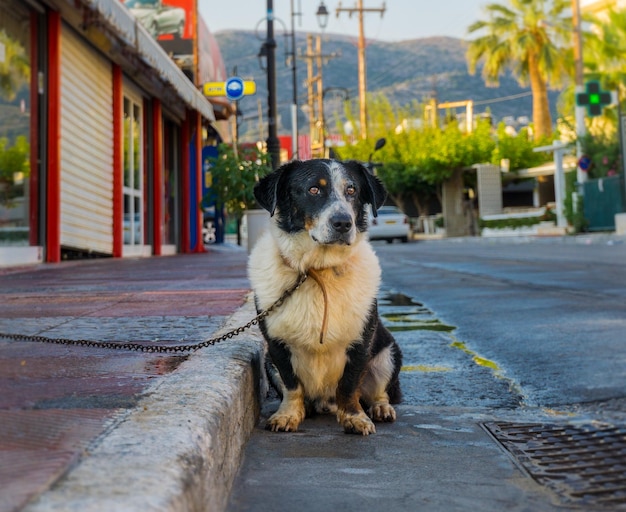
584,162
234,88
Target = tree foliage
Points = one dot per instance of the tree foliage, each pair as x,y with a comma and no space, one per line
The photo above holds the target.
531,38
418,158
604,152
234,175
517,149
605,47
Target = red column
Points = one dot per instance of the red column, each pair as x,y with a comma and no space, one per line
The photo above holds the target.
53,191
185,243
197,119
118,159
157,176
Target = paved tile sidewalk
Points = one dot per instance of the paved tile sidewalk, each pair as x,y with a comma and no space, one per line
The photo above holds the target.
59,403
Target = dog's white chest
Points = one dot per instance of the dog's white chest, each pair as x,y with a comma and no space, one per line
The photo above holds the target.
341,312
351,288
317,360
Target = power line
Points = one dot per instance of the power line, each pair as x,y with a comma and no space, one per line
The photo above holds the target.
387,73
504,98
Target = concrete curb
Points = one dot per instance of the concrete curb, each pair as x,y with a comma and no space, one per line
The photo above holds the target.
181,447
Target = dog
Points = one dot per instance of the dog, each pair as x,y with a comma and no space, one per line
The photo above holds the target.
327,348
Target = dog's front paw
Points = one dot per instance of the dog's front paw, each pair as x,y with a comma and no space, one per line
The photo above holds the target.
382,411
281,422
356,423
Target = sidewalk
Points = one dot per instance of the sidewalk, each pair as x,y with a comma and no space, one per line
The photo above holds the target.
92,429
84,429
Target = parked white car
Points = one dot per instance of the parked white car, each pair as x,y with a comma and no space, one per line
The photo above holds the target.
390,224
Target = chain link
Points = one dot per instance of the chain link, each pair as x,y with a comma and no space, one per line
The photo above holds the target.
161,349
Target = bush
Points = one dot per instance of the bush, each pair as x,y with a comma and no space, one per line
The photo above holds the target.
512,223
234,175
604,152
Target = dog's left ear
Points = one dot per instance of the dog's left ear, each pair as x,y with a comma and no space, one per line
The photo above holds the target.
374,192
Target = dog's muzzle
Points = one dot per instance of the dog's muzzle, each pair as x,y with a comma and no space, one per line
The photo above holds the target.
338,229
341,223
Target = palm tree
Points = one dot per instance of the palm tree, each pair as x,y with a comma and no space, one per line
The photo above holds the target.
605,48
528,38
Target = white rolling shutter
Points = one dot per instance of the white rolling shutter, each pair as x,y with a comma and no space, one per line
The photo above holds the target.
86,147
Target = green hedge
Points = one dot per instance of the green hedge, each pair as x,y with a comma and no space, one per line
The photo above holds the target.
516,222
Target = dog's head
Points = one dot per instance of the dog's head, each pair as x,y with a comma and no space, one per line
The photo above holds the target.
325,198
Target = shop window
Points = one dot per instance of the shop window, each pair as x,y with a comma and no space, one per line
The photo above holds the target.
171,188
133,174
15,124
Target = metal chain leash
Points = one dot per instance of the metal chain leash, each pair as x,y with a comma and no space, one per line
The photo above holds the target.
161,349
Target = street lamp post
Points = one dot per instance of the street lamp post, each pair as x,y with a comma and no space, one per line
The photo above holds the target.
268,52
322,15
273,144
294,84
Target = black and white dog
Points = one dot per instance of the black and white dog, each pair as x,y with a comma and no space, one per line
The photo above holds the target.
327,341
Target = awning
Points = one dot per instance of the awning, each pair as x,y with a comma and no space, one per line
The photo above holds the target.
134,37
222,107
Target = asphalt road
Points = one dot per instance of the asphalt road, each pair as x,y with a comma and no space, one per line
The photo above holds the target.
545,317
525,332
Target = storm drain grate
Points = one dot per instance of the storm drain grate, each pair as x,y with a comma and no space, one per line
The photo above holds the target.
585,465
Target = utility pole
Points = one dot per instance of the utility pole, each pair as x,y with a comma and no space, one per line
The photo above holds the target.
315,89
360,10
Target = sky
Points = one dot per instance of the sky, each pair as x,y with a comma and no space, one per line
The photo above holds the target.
402,19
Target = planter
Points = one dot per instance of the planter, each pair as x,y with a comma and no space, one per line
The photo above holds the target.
258,221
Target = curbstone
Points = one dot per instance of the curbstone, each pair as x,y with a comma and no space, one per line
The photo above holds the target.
180,448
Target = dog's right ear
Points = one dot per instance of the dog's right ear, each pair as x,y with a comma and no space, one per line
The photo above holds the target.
266,190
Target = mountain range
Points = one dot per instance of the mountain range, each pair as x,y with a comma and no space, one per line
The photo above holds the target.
417,69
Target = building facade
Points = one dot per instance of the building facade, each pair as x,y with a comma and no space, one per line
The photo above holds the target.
100,135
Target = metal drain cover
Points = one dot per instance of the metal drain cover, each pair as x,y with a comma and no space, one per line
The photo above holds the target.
585,465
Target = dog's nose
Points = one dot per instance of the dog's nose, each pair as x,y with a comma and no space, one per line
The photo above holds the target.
342,223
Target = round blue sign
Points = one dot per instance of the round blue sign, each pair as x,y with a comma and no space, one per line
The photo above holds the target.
584,162
234,88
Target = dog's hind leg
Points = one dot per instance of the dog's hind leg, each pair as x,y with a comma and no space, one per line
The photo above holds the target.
350,413
374,386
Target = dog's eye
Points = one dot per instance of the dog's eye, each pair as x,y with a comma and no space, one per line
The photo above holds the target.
350,190
314,191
